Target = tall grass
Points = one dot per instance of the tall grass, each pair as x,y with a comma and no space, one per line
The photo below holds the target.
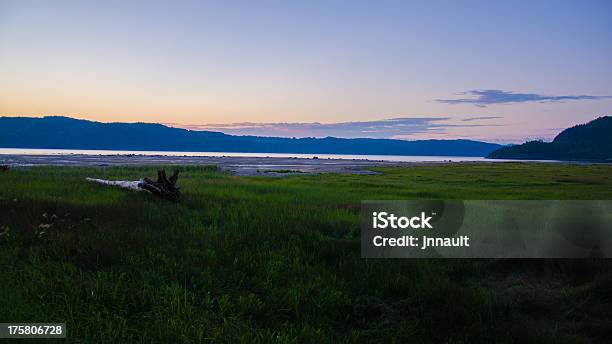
277,260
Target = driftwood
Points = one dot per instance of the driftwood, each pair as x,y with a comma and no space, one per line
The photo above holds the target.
164,187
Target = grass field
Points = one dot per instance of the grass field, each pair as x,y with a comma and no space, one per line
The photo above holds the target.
277,260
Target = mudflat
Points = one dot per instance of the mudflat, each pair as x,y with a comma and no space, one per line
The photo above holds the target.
243,166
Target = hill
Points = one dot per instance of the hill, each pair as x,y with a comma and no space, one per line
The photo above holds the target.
56,132
590,141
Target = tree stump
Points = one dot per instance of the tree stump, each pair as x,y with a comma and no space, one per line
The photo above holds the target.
164,187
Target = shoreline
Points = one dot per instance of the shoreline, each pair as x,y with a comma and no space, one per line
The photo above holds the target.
238,165
242,166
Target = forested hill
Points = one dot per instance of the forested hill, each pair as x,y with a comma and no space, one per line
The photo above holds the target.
590,141
58,132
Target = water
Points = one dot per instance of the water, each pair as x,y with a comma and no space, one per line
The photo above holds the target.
408,158
402,158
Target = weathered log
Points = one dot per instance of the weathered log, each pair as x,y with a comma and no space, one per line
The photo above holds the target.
164,187
124,184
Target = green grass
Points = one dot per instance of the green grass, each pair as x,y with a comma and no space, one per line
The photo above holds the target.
277,260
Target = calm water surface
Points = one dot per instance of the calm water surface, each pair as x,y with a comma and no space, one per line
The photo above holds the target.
407,158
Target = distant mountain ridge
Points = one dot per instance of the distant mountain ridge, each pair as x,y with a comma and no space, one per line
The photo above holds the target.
590,141
57,132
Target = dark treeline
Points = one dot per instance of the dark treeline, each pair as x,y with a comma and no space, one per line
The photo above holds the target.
590,141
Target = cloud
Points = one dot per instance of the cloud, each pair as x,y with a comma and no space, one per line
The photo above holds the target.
481,118
386,128
483,98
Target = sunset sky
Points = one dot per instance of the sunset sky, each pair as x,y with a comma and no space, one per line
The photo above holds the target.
487,70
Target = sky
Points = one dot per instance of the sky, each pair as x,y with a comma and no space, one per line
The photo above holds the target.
498,71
